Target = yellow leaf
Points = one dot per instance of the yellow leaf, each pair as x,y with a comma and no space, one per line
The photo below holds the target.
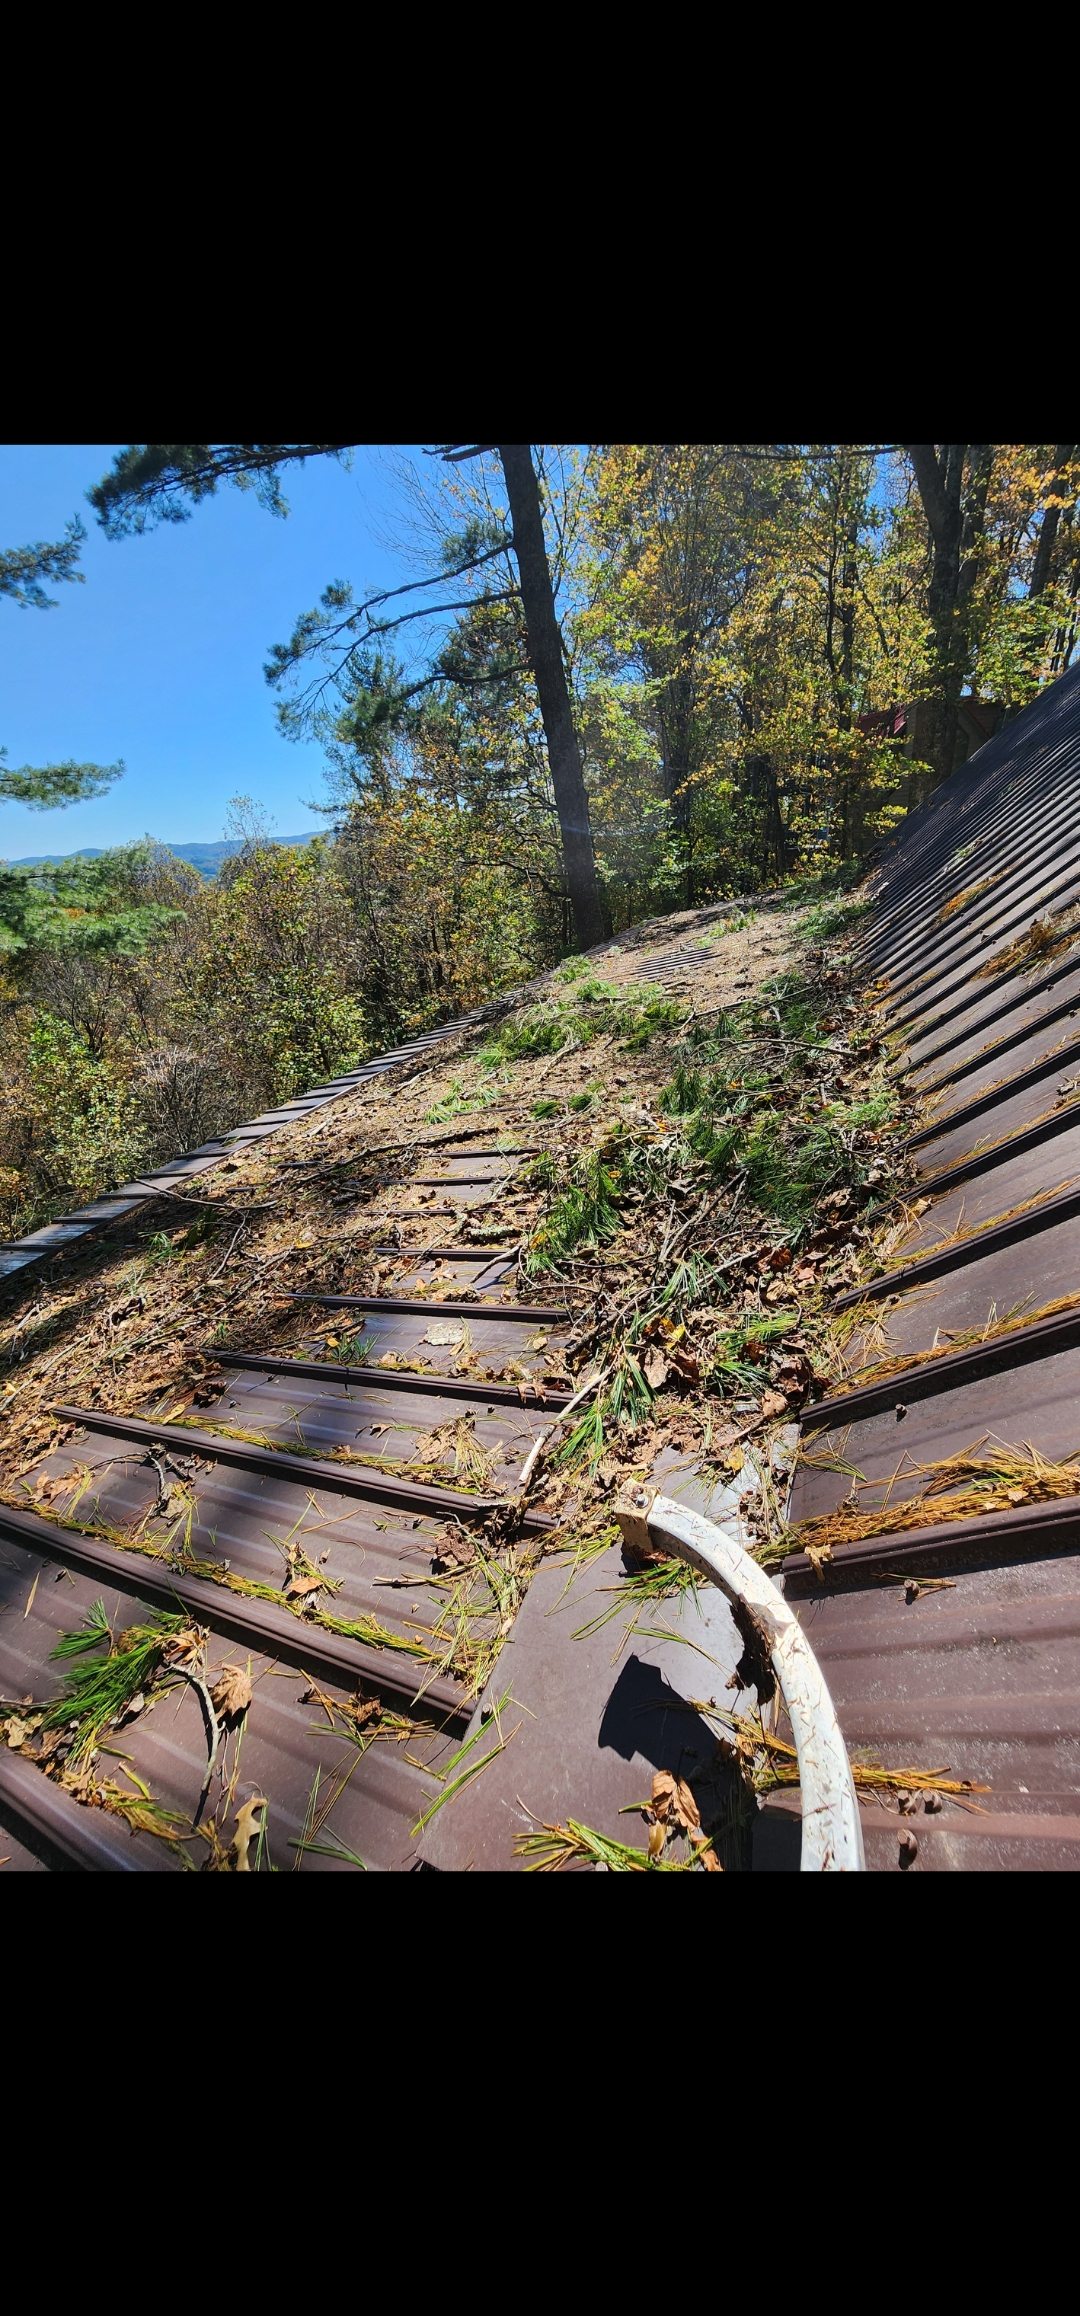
247,1828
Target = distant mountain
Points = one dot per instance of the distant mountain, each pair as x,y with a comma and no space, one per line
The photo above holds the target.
207,858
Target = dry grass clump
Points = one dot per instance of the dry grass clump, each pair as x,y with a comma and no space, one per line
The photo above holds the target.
1043,939
958,1488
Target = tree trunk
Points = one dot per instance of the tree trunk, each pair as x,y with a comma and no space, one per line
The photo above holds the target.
676,716
1048,528
955,517
545,652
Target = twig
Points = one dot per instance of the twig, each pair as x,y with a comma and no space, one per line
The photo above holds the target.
591,1383
392,1149
213,1730
216,1205
224,1264
669,1248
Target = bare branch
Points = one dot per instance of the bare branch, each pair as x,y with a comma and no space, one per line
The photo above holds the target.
453,457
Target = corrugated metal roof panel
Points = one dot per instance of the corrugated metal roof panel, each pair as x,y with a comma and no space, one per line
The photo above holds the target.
981,1676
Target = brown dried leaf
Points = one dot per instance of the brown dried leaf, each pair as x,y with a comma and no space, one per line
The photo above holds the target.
59,1484
687,1809
247,1829
299,1587
231,1693
663,1794
361,1709
673,1803
183,1646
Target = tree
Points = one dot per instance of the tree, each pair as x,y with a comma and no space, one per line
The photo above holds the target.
748,608
159,482
953,481
23,574
546,655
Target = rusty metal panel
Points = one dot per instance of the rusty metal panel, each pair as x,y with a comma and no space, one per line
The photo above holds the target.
956,1644
982,1680
376,1536
588,1717
289,1750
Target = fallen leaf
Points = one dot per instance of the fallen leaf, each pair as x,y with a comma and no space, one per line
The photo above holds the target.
735,1460
185,1645
299,1587
247,1828
688,1812
673,1803
231,1693
60,1484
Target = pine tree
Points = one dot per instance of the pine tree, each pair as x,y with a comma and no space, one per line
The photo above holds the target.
160,482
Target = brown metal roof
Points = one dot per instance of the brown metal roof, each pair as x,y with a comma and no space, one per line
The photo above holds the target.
979,1669
260,1464
376,1535
950,1646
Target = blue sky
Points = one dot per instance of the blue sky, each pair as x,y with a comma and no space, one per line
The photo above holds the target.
158,657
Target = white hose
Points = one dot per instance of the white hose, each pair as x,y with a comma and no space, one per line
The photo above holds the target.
831,1831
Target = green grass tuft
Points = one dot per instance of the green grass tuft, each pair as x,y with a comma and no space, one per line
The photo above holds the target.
106,1675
